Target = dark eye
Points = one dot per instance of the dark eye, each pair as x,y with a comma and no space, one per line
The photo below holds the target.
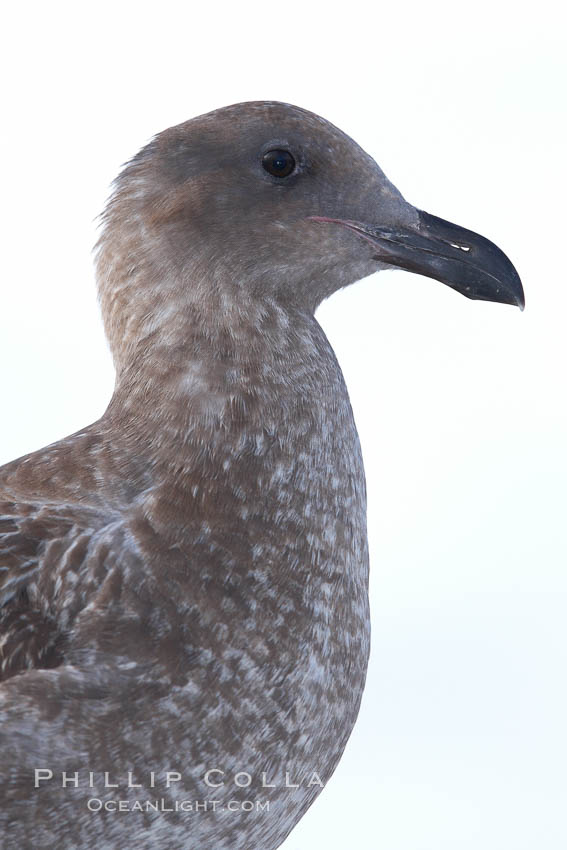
279,163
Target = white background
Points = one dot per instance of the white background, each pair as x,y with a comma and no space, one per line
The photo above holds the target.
461,409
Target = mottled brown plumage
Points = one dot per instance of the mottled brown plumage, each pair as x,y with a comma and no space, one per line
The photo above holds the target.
184,582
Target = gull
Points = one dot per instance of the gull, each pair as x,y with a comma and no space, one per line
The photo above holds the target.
184,611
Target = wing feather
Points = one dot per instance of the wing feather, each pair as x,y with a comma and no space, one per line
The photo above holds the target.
43,551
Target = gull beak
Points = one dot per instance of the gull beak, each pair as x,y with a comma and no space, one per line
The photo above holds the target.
463,260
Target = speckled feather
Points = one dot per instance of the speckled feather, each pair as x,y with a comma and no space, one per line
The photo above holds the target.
184,582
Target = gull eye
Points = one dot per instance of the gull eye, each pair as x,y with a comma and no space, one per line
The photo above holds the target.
279,163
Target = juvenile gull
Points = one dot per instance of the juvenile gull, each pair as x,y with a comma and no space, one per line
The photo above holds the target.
184,582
